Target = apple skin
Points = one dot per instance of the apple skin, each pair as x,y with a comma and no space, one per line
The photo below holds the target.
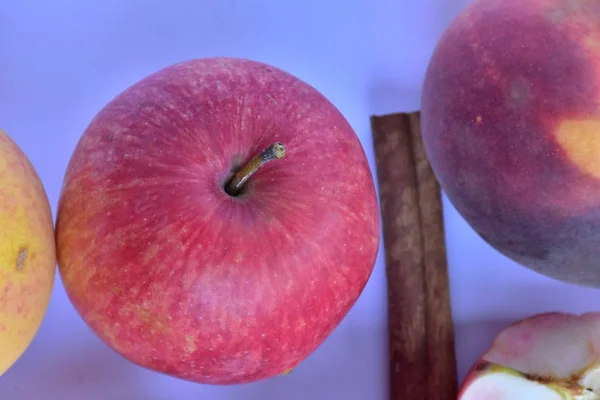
27,252
511,126
181,278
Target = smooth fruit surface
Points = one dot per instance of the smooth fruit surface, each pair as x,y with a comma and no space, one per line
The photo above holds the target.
546,356
180,277
511,125
27,252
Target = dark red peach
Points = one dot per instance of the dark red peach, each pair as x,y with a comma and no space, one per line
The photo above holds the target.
511,124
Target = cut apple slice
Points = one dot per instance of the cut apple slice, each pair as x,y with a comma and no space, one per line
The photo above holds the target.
494,381
551,356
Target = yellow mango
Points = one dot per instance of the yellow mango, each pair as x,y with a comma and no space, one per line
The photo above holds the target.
27,252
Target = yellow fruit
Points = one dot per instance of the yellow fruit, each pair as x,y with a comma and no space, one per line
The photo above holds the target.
27,252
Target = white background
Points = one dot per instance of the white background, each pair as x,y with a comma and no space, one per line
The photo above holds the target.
62,60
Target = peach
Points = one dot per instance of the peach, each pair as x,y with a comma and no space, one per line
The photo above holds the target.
511,125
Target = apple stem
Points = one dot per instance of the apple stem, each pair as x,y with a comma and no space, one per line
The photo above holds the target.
276,151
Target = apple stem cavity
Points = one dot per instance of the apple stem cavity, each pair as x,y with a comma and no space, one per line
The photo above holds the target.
234,187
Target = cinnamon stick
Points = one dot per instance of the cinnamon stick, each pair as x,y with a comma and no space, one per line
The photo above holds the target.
421,333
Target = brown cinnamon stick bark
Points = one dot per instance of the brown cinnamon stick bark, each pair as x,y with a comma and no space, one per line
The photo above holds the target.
422,357
440,328
401,226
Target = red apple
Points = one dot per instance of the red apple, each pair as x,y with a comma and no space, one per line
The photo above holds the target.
511,125
550,356
179,273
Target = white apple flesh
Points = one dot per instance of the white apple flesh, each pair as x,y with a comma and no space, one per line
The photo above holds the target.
545,357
